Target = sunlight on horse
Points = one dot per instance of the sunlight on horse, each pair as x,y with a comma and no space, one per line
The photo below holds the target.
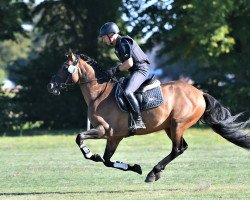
182,107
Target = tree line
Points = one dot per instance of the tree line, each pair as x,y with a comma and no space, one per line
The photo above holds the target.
210,39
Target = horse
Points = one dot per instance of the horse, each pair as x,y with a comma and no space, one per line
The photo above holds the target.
183,106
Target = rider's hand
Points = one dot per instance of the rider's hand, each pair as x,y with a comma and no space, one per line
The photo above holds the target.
114,70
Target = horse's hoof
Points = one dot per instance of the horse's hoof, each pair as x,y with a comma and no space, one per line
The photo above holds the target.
158,175
137,169
97,158
150,177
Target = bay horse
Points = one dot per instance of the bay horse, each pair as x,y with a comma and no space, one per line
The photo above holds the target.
182,107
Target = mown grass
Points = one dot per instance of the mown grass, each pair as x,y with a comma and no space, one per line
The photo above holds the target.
52,167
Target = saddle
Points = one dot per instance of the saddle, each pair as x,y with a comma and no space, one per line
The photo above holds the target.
149,95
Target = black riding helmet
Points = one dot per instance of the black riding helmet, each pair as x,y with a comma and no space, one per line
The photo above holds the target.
107,28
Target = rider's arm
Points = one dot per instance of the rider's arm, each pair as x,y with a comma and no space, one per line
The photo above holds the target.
126,64
126,56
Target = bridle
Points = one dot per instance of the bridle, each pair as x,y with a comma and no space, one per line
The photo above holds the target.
69,81
55,86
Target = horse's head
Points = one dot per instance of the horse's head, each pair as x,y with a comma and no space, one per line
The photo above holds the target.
67,75
77,69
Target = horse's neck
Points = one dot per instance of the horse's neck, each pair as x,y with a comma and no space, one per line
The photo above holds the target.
94,91
91,89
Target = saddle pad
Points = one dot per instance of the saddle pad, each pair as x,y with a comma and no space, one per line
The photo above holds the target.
147,100
151,99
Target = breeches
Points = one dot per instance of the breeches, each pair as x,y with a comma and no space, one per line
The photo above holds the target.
135,81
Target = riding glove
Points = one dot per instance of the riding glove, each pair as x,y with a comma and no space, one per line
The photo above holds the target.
114,70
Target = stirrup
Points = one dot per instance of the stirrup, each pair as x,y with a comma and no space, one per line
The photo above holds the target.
139,124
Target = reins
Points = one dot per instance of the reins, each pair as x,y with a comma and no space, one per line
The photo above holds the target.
68,82
86,82
95,65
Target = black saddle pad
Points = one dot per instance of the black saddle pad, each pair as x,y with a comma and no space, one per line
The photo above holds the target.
151,98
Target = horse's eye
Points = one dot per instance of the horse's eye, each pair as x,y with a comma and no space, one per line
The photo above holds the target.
66,65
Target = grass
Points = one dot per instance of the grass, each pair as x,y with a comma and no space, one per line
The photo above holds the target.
52,167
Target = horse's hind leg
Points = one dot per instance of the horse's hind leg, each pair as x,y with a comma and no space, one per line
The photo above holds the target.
179,145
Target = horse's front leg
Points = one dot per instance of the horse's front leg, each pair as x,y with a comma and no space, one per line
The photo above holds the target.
111,146
97,133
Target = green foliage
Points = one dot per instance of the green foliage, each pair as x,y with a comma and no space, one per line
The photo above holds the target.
70,24
13,50
9,111
11,114
219,42
60,25
12,15
211,36
2,75
13,46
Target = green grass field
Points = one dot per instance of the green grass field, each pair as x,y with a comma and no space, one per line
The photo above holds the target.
52,167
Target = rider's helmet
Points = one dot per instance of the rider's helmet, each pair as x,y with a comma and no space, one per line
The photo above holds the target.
107,28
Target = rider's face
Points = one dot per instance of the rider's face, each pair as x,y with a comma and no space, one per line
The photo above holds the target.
108,39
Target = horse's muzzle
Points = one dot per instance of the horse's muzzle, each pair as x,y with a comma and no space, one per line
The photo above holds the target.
52,88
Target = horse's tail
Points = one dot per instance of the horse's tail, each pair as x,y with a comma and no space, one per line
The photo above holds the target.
222,122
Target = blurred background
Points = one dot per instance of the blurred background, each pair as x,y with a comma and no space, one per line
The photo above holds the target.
206,43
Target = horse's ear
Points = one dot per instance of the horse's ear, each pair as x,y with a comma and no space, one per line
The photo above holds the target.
72,56
68,53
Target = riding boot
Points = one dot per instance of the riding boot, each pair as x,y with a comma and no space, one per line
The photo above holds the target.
139,124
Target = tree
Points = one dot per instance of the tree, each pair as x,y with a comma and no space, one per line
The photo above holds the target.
12,50
14,44
212,35
13,14
61,25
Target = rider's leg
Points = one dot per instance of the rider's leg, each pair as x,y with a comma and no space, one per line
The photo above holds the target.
139,124
134,83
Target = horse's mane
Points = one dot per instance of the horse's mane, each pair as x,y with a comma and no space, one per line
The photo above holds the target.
100,72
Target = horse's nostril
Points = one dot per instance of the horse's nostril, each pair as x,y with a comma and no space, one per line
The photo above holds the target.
50,87
56,92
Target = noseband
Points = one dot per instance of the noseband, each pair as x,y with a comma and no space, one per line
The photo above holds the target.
69,81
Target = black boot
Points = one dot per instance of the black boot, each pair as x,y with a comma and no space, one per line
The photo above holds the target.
139,124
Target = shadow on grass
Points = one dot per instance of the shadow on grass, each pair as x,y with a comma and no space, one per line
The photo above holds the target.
87,192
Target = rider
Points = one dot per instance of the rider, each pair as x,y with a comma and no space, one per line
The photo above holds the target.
133,59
